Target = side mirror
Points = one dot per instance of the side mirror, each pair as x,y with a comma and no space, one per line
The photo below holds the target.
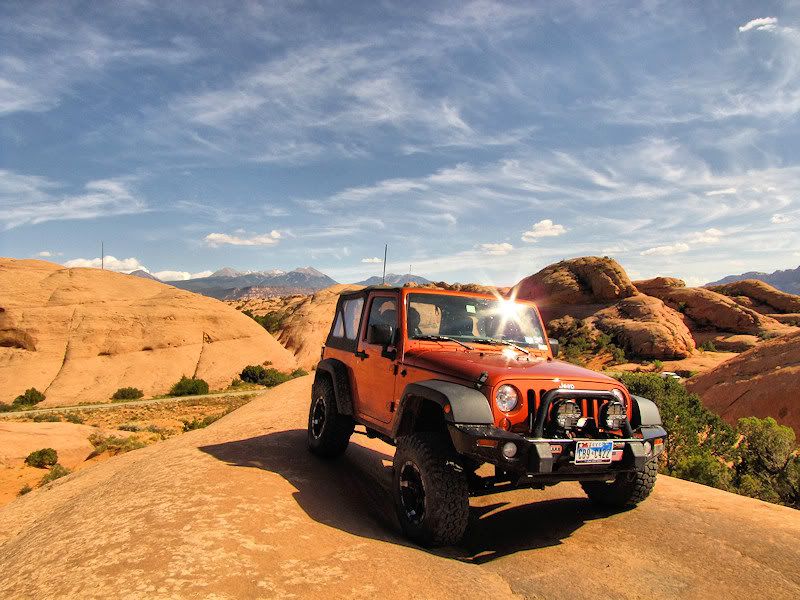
554,346
380,334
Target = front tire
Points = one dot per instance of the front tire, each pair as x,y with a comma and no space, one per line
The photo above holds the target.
430,490
328,431
628,489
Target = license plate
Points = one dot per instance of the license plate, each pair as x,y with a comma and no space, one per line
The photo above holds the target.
594,452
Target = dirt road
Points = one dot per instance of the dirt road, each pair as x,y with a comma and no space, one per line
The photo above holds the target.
241,510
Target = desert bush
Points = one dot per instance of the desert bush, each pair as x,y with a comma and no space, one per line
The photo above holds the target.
268,377
658,366
201,423
31,397
41,459
236,383
57,472
6,407
189,387
757,458
25,489
708,346
272,321
253,374
299,373
127,393
46,418
74,417
274,377
114,444
129,427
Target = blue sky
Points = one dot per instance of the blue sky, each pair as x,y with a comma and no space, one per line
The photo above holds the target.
480,140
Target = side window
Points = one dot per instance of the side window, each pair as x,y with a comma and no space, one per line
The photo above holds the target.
352,317
383,310
338,328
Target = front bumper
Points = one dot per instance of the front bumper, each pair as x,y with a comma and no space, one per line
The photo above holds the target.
553,458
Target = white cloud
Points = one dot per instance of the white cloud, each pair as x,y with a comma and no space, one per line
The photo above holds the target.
48,254
709,236
778,219
544,228
180,275
30,199
762,24
500,249
111,263
220,239
372,261
669,250
725,192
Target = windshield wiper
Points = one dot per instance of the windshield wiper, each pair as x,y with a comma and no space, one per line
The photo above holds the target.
504,342
442,338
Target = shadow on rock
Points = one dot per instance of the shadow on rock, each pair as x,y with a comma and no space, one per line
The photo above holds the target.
352,494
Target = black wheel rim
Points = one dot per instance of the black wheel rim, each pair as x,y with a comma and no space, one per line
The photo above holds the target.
412,493
318,414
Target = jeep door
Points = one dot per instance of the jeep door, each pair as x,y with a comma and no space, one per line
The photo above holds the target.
375,364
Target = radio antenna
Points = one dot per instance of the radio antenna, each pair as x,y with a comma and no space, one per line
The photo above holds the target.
102,256
385,252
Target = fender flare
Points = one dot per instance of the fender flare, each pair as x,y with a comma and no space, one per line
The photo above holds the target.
645,413
466,405
338,373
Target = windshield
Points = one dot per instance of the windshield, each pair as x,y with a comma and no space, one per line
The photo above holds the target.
474,320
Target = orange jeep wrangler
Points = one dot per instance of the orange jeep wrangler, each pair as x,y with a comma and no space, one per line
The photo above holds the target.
455,380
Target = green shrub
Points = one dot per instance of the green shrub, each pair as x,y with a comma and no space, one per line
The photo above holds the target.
272,321
708,346
201,423
658,366
268,377
236,383
6,407
114,444
74,417
129,427
189,387
46,418
41,459
31,397
127,393
25,489
617,354
253,374
274,377
704,468
298,373
57,472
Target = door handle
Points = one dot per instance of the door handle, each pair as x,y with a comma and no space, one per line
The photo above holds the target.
361,354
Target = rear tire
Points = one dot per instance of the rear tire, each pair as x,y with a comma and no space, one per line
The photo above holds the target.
430,490
628,489
328,431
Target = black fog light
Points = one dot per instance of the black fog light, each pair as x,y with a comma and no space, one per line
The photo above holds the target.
567,414
614,415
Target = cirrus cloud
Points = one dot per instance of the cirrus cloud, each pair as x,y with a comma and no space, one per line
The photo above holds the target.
668,250
762,24
500,249
778,219
221,239
372,261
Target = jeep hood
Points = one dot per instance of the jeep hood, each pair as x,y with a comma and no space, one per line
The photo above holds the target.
469,365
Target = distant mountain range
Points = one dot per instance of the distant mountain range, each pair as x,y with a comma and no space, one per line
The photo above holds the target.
394,279
144,275
230,284
786,281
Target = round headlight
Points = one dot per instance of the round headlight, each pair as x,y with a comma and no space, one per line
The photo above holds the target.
506,398
568,413
615,415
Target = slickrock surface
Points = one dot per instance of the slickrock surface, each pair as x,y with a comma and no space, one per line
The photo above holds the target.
242,510
762,382
78,335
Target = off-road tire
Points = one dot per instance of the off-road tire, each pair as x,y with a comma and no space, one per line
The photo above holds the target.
329,437
446,496
628,489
